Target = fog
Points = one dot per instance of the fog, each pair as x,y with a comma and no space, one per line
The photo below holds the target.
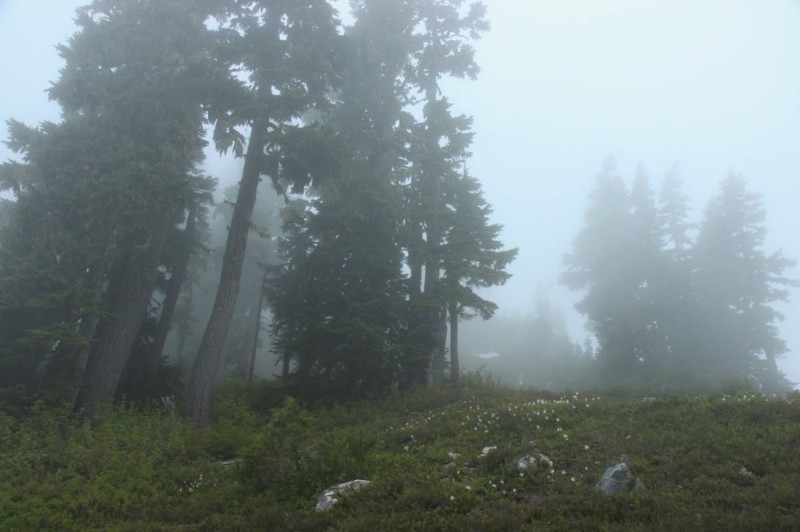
705,87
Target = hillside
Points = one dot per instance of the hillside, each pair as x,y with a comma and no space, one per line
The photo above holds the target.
437,460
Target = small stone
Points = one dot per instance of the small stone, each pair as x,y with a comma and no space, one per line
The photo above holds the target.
524,462
619,479
228,464
545,460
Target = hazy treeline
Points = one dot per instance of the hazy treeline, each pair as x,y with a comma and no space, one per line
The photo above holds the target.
674,301
675,304
529,351
109,243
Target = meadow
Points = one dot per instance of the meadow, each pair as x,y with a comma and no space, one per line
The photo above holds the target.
436,459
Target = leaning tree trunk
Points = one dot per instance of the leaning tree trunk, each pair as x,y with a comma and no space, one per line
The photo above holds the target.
209,357
251,362
110,355
173,290
455,368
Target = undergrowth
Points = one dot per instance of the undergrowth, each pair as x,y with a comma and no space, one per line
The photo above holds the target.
436,459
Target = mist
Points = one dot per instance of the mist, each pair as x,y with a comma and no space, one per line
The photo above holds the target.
697,88
682,88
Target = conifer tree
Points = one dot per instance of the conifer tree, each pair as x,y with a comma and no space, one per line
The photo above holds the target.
472,257
115,173
600,264
736,284
337,301
287,48
676,301
649,263
439,148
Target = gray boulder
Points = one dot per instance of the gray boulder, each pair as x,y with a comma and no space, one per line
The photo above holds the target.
619,479
331,496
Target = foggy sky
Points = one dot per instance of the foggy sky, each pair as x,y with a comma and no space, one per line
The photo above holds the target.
709,86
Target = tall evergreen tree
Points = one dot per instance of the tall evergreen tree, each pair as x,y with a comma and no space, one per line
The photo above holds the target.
472,257
397,185
649,263
151,372
676,302
736,284
337,303
183,245
287,48
673,211
600,264
439,148
56,250
132,91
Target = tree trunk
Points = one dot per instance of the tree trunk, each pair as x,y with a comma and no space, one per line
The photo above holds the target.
416,367
439,338
773,373
110,355
80,359
437,315
287,364
254,348
173,290
210,355
432,186
455,369
182,335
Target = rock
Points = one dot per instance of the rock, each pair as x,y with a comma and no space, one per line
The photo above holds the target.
453,455
619,479
544,460
487,450
331,496
526,461
532,460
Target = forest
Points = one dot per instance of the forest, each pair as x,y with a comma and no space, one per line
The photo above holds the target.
356,240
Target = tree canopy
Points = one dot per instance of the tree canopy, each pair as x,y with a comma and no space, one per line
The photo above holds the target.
381,229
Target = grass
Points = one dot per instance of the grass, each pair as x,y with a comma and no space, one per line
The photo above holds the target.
710,463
